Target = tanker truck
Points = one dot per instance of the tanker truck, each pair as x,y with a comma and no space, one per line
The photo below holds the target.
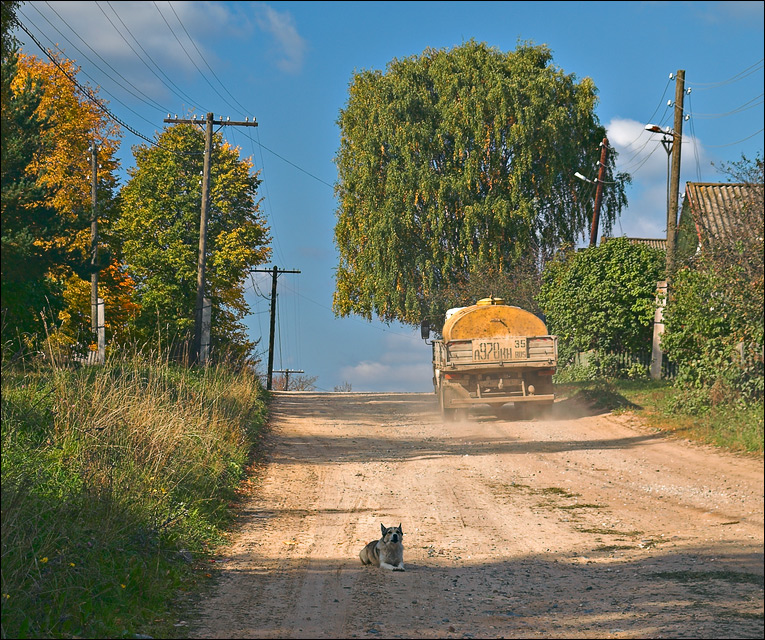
492,354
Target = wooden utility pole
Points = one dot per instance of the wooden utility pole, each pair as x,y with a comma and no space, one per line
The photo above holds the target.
94,238
599,193
208,122
674,193
287,373
275,274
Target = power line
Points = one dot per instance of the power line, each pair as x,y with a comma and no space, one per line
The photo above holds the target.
244,109
743,107
730,144
186,52
85,91
172,86
137,94
703,86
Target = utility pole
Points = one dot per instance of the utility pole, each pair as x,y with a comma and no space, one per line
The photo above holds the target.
94,238
275,274
287,373
677,136
208,122
599,193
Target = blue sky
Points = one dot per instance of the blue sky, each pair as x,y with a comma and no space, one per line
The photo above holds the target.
289,65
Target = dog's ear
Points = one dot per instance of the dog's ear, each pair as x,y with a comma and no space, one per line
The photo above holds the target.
382,526
400,529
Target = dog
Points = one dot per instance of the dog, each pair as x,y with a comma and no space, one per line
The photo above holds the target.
388,551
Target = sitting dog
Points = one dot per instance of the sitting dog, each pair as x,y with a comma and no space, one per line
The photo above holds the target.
387,552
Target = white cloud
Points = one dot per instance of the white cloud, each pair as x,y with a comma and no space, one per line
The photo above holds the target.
404,365
145,43
290,46
642,155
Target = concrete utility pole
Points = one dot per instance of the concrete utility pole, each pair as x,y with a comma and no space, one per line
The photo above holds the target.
674,193
94,238
275,271
209,122
599,193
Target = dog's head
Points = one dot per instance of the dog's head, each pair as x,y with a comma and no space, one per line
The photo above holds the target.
392,534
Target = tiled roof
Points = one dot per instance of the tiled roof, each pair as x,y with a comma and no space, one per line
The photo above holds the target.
655,243
716,208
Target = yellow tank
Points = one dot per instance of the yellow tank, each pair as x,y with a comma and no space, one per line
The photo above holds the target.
490,318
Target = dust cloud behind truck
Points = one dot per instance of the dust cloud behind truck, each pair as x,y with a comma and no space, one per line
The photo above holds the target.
491,354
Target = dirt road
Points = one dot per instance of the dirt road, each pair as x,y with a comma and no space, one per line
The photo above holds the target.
576,526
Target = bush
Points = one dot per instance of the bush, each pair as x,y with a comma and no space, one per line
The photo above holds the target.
714,319
602,298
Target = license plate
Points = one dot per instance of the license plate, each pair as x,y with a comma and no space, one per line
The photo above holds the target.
499,349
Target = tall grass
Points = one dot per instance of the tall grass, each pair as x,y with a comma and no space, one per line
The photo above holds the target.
114,480
734,424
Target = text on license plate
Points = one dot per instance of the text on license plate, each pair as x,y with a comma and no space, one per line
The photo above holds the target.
499,349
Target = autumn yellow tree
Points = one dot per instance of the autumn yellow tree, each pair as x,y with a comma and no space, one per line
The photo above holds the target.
75,124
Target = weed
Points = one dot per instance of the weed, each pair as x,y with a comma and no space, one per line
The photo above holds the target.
113,477
731,577
733,425
601,531
582,506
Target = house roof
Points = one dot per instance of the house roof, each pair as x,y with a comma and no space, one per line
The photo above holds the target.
654,243
716,207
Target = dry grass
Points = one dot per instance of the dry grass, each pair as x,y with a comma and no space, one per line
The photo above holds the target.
113,478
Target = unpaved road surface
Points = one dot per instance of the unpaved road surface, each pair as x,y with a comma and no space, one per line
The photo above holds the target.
575,526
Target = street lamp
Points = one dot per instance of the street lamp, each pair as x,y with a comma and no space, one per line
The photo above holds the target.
581,177
598,191
667,142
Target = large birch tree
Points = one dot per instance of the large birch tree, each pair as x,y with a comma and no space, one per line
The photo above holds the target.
456,163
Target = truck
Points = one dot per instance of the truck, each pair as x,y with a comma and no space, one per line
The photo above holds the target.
491,353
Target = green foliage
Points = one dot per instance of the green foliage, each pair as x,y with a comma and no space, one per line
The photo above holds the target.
29,221
8,23
114,479
456,163
602,299
518,286
714,319
159,228
714,331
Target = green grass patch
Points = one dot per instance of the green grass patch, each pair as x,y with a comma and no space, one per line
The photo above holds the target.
555,491
117,482
582,506
602,531
731,577
735,426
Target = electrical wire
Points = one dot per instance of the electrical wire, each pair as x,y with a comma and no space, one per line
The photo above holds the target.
655,111
703,86
137,93
730,144
244,109
84,90
196,66
743,107
172,86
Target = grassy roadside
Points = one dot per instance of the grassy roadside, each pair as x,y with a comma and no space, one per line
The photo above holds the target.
733,426
116,485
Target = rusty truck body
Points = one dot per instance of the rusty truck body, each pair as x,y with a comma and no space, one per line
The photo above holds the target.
491,353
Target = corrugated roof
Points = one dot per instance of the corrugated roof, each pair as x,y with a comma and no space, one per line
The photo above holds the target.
716,208
654,243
